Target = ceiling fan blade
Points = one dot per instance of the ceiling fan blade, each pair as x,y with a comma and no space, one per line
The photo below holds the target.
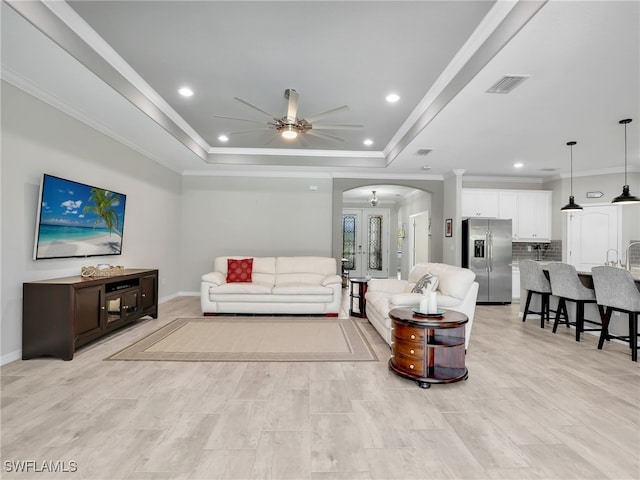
292,107
337,127
272,138
241,119
324,135
302,141
256,108
318,116
250,130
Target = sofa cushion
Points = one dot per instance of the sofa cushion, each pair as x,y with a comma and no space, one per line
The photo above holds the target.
264,268
453,281
301,289
319,265
239,270
445,301
241,287
405,300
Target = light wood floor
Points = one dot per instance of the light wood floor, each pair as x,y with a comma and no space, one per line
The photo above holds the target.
536,406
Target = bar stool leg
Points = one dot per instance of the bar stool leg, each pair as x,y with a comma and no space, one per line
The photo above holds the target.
579,319
559,310
633,335
543,309
526,305
605,316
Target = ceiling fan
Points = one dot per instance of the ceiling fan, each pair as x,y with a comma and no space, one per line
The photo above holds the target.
289,126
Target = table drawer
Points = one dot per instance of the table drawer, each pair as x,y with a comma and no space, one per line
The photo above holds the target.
409,364
410,349
408,333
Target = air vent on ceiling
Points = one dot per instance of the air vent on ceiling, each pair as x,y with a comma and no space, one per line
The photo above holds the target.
423,151
507,83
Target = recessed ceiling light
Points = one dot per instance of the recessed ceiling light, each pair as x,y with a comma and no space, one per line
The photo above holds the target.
392,98
518,165
425,167
185,92
368,142
223,138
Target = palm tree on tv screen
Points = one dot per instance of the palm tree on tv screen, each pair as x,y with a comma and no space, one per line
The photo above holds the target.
103,203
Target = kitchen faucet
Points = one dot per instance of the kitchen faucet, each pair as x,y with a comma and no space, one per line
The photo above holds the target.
617,262
628,264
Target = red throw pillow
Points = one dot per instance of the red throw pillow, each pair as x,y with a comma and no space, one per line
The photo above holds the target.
239,270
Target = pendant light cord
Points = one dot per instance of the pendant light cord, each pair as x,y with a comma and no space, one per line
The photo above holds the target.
625,153
571,144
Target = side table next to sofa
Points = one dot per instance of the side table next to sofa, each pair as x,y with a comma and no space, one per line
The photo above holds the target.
359,295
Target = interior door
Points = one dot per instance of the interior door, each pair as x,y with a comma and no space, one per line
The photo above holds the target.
365,241
419,239
591,233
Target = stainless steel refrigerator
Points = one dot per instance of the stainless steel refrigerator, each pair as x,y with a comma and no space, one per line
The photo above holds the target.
486,250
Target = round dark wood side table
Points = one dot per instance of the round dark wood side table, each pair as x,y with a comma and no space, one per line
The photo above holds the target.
428,349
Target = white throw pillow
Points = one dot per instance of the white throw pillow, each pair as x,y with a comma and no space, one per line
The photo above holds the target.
428,283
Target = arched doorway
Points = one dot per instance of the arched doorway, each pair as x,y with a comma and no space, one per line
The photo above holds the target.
377,239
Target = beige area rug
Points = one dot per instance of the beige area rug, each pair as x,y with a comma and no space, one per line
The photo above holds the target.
253,339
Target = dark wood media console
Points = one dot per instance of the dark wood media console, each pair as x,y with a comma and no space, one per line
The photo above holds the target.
62,314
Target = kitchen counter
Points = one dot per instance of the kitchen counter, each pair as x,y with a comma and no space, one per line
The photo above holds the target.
586,271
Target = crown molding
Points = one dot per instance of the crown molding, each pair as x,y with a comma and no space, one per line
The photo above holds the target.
58,21
290,152
256,173
532,180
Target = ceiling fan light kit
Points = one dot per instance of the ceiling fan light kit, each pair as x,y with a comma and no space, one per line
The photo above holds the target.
572,206
625,198
289,126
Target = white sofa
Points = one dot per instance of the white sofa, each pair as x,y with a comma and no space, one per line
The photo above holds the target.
456,290
280,285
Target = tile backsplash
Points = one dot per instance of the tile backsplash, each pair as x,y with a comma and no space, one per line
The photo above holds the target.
550,252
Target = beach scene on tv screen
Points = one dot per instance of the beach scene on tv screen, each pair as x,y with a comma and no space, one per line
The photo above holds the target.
78,220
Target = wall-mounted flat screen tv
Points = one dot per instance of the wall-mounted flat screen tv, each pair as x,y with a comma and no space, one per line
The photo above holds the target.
77,220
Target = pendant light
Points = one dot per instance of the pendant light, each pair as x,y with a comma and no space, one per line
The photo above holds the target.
626,198
572,206
373,201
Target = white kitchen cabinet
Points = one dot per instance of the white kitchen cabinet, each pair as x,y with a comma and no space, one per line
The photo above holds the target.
508,209
529,210
534,216
480,203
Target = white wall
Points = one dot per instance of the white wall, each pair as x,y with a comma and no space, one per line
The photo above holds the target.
251,216
417,202
452,246
37,139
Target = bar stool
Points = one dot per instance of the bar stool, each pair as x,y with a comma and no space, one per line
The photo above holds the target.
533,279
616,290
566,285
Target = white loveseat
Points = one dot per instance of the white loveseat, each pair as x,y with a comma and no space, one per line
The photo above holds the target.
456,290
279,285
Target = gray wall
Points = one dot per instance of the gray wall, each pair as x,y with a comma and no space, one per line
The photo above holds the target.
37,139
251,216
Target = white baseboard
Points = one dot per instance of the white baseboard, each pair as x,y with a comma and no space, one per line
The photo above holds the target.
11,357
